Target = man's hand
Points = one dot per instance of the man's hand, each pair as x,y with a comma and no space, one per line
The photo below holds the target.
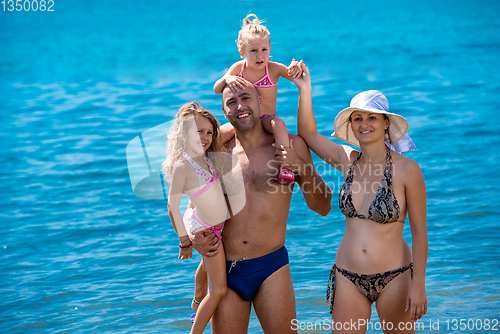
289,159
206,243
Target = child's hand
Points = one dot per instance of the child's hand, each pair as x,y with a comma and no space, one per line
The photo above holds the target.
185,254
295,69
235,83
304,80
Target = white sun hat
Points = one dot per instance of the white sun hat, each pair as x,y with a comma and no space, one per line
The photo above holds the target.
375,102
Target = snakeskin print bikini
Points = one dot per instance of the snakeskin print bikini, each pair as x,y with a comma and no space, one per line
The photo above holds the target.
384,210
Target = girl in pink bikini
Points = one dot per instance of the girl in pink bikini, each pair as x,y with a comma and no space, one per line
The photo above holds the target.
190,170
254,45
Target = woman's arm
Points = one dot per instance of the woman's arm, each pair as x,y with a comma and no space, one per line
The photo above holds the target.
416,202
334,154
230,78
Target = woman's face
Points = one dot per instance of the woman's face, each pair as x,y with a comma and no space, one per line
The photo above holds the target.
200,135
368,127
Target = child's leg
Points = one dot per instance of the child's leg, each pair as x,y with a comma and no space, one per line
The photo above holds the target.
200,285
217,285
226,132
277,127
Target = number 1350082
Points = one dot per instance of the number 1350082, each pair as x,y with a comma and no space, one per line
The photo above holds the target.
28,5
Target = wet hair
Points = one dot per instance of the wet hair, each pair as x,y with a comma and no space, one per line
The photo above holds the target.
178,134
251,29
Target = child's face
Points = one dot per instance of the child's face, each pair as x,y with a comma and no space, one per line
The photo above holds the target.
200,135
256,52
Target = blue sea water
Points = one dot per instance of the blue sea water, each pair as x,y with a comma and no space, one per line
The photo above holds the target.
80,253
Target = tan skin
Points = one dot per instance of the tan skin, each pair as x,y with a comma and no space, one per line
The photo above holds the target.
255,56
184,179
369,247
260,227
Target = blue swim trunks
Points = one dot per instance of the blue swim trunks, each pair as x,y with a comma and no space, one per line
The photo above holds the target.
246,276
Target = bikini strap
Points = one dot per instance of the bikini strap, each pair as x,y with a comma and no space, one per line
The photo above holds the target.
388,162
198,167
332,284
217,230
205,187
242,68
351,169
209,163
195,164
388,180
190,160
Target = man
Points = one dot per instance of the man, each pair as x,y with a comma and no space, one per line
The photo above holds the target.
257,261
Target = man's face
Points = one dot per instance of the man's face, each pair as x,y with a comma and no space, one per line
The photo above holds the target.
241,109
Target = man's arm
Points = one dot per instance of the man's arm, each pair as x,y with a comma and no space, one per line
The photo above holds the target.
297,158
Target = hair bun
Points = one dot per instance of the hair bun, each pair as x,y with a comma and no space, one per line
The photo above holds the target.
247,21
251,27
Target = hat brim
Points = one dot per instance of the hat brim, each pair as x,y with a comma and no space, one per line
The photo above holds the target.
398,125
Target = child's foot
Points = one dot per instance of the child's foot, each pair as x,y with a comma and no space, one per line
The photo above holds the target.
286,177
195,304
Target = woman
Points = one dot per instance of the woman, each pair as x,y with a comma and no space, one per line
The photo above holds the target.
374,263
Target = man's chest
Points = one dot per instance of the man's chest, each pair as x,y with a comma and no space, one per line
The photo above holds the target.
259,169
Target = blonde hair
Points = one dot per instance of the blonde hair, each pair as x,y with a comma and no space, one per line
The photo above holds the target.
178,135
252,28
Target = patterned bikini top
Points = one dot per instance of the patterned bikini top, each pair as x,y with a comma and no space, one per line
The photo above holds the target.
264,82
204,177
384,209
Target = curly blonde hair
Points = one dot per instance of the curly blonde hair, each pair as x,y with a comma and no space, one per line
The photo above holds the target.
251,29
178,135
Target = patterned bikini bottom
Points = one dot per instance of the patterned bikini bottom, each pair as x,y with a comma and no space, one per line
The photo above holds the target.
370,285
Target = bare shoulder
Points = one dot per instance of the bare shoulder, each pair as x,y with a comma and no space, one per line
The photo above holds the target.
179,177
235,68
350,154
276,68
180,167
409,167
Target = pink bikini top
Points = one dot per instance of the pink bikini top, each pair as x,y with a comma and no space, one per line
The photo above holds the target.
264,82
205,178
